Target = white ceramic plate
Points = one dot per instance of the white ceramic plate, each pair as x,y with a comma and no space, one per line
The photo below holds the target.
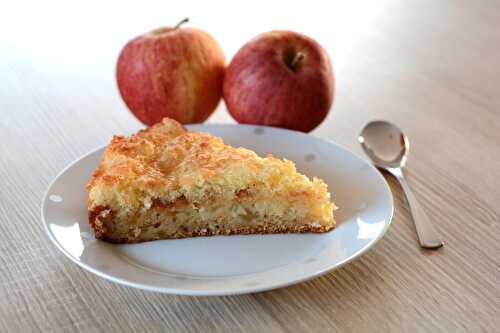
225,265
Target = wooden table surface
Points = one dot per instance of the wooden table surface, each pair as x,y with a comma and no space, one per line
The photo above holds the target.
432,67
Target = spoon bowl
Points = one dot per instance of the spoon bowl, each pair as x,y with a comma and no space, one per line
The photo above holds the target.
385,144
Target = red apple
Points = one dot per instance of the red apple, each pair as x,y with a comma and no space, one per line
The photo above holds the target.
280,78
171,72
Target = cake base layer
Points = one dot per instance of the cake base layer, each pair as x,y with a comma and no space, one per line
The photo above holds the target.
109,228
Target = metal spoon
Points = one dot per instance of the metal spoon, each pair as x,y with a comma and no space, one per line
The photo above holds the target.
388,148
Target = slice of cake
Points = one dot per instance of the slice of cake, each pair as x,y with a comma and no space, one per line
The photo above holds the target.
165,182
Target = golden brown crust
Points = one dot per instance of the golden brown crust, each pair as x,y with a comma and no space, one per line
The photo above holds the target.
165,157
135,156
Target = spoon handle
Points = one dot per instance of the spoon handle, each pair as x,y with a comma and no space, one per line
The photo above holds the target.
427,235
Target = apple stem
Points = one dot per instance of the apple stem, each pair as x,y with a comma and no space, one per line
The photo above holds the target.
181,23
296,60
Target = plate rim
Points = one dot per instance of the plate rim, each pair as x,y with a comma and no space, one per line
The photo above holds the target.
209,292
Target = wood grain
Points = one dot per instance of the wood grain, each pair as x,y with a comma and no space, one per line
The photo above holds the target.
429,66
